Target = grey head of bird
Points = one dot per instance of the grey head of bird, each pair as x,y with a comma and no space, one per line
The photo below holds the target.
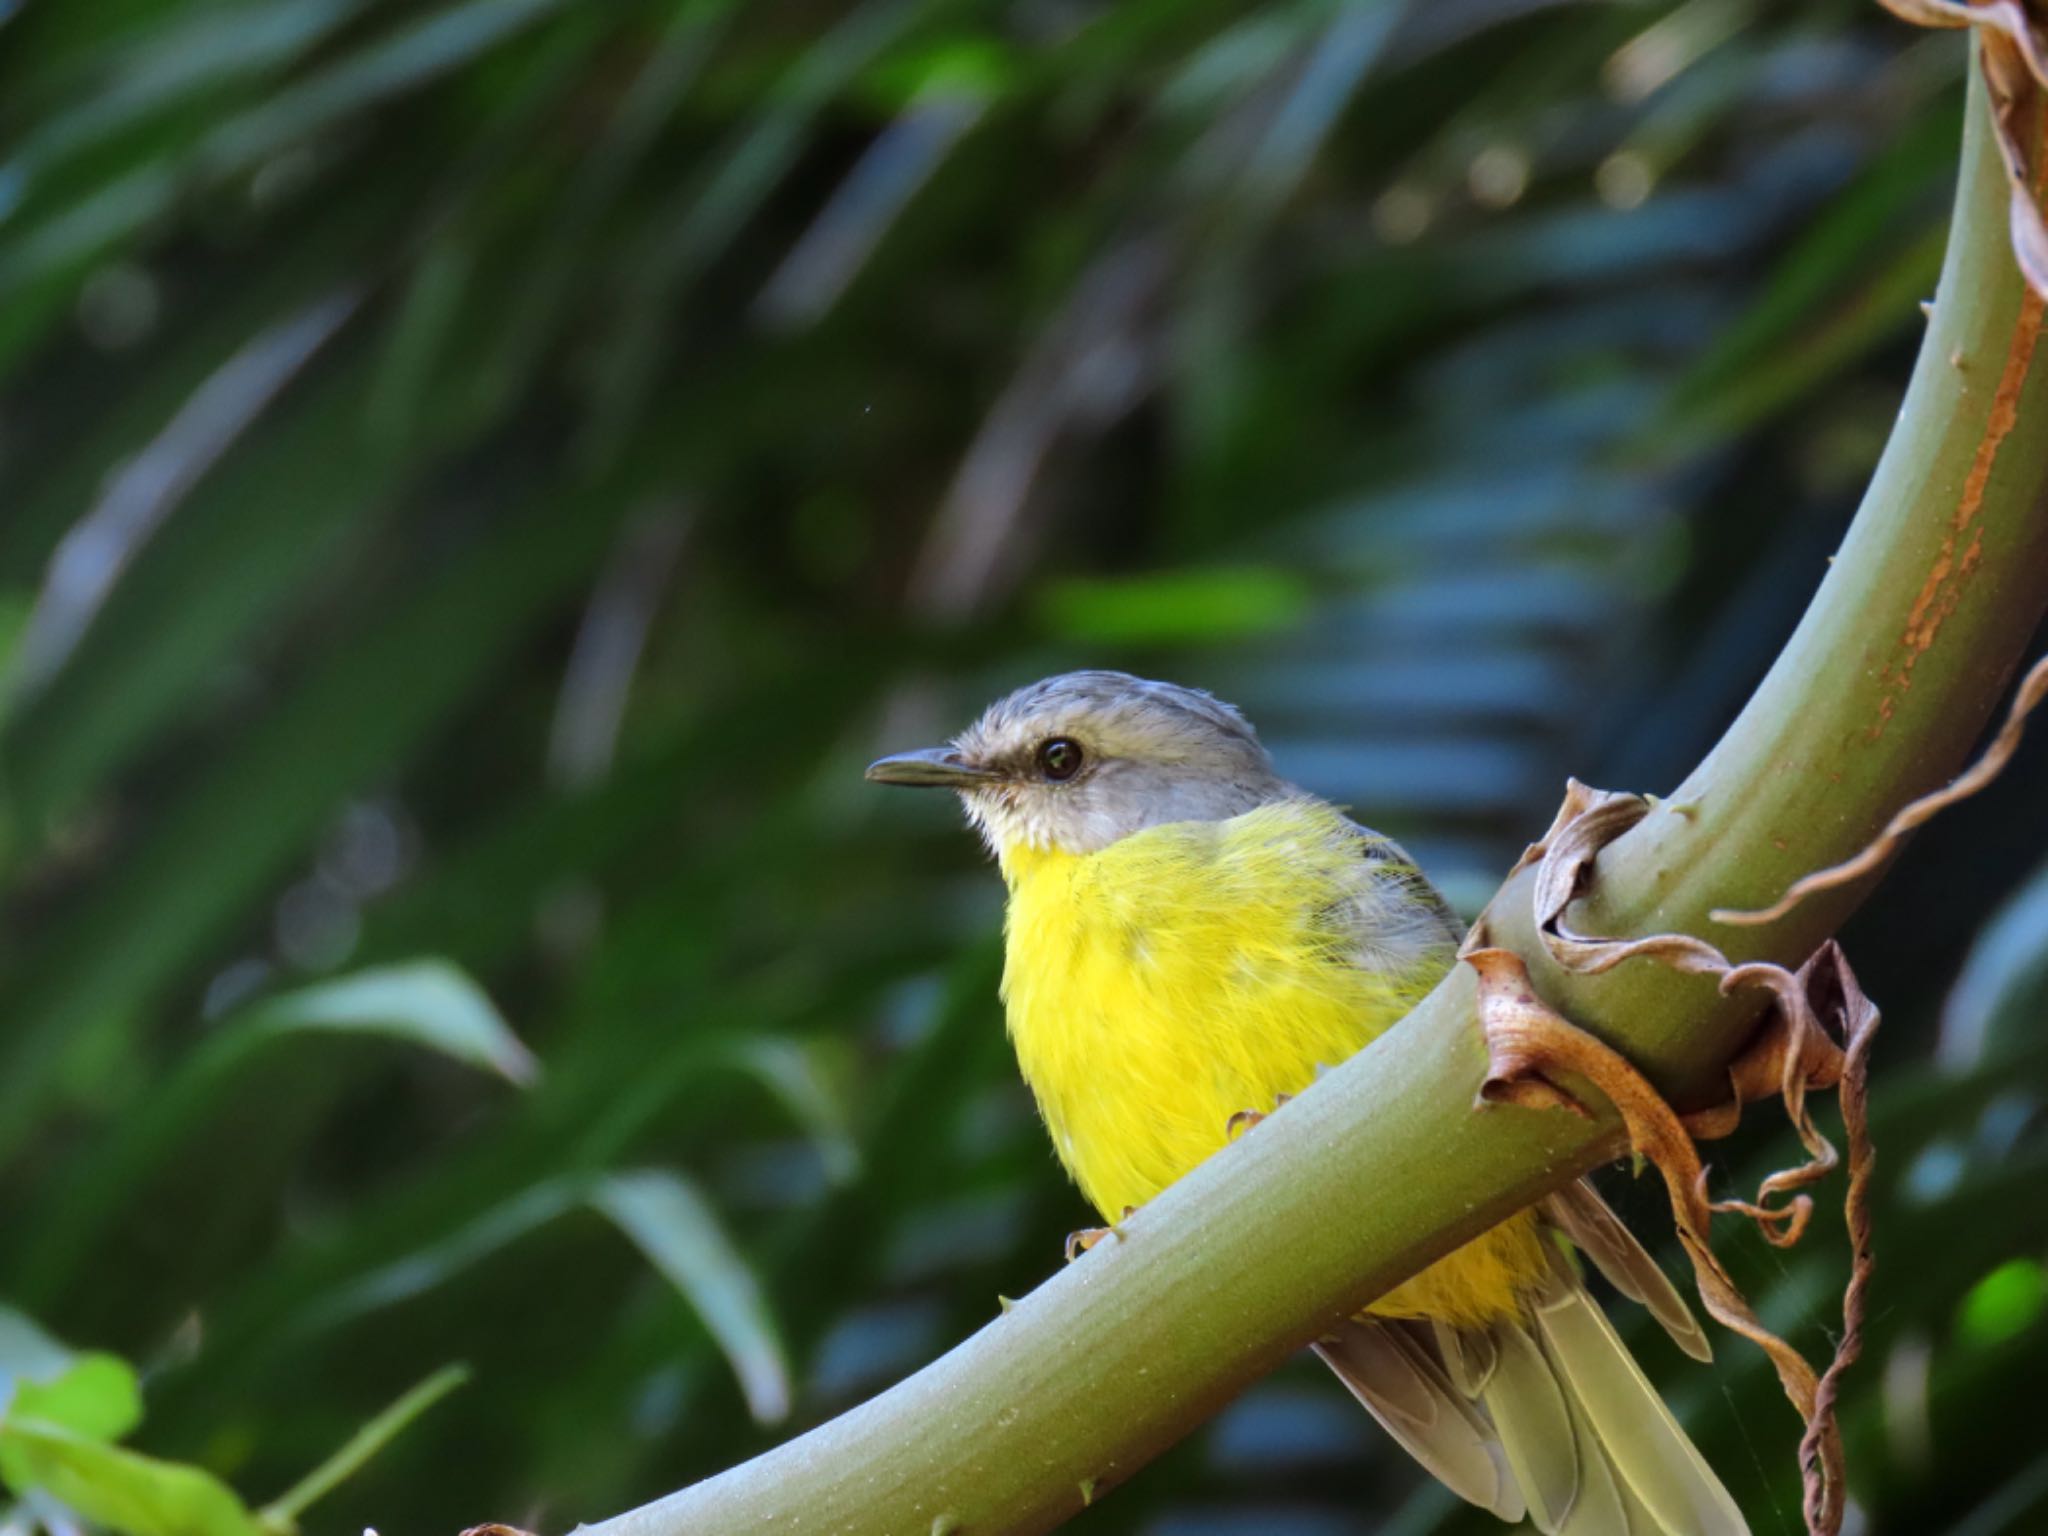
1082,760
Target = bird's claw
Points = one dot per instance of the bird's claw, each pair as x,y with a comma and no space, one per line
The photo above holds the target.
1245,1119
1080,1242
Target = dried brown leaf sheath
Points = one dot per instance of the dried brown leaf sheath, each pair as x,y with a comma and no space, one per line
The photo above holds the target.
2015,63
1533,1050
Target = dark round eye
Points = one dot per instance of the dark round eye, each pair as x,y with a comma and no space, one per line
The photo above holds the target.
1059,758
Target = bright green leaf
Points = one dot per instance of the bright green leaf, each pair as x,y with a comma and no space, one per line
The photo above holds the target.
1175,606
133,1494
96,1396
2004,1304
969,68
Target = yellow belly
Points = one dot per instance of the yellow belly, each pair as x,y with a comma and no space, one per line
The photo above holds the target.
1190,971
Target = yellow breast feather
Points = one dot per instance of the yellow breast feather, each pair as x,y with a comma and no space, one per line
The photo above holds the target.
1195,969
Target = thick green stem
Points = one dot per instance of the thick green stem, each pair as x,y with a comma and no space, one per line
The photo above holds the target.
1386,1164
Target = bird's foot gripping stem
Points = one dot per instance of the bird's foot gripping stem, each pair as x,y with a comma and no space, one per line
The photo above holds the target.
1245,1119
1080,1242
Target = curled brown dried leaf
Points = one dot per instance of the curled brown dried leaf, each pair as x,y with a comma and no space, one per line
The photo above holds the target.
1534,1052
2015,63
2033,688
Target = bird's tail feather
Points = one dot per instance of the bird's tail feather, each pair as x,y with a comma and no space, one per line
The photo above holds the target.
1547,1415
1578,1211
1404,1385
1633,1427
1563,1428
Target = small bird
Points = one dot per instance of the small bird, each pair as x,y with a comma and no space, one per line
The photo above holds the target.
1189,940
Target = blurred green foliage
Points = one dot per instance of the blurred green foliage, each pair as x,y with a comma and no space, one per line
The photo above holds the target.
478,479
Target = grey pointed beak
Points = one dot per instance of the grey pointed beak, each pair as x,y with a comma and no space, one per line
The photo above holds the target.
931,768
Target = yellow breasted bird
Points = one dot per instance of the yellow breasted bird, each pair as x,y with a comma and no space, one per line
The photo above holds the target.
1190,936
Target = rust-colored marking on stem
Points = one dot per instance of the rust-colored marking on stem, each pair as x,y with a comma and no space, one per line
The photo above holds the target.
1947,578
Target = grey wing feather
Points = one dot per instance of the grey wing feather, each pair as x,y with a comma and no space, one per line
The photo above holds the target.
1401,920
1403,1386
1600,1235
1469,1357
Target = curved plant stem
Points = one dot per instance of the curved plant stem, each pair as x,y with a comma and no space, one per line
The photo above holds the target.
1385,1164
